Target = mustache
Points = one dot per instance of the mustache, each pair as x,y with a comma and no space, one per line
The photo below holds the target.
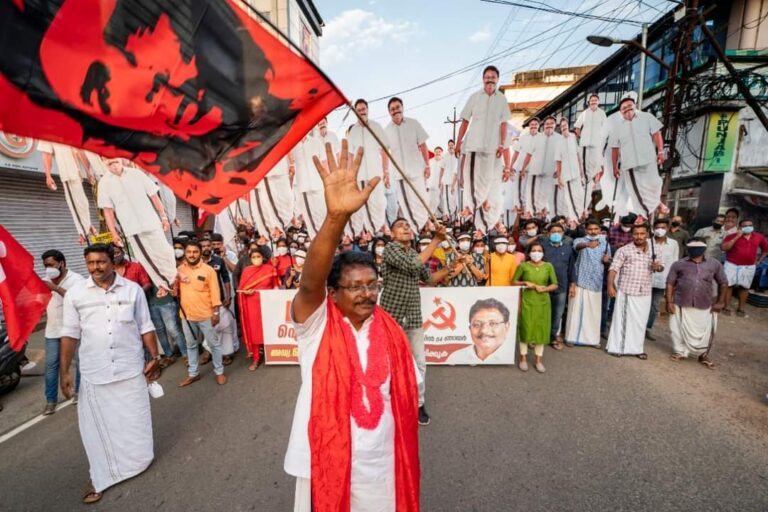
365,302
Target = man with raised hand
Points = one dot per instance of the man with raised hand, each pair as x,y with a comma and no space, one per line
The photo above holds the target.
354,441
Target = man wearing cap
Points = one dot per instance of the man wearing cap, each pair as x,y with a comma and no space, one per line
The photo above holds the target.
692,315
590,128
467,268
540,164
569,176
523,146
501,264
639,144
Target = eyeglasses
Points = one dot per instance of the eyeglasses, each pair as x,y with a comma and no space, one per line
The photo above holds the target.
371,288
479,326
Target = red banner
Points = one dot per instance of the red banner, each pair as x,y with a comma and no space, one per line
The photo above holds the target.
195,91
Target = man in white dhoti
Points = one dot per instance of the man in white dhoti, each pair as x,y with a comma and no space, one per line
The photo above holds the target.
68,162
633,266
666,251
582,326
484,122
307,185
539,162
639,144
435,181
407,141
372,217
110,317
590,128
523,147
569,176
129,197
692,314
272,201
448,200
354,439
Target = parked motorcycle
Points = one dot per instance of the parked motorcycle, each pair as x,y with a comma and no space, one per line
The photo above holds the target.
11,363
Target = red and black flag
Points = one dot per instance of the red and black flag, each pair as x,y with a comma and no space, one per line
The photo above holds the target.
195,91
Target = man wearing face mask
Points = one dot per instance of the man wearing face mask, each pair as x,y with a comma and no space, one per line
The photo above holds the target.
530,234
667,252
741,262
713,236
58,279
692,315
501,264
294,276
467,268
621,235
678,234
560,254
216,263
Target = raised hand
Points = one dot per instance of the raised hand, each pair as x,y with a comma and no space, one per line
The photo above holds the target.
343,196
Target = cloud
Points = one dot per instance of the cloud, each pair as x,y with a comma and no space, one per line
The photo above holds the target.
356,30
481,36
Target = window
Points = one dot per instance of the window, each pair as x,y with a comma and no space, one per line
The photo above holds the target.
306,39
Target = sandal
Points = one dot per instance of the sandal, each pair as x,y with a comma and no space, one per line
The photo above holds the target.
91,496
557,345
726,311
253,366
706,361
642,356
676,357
741,313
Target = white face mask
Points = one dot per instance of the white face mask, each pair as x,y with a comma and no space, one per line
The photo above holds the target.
293,251
479,250
660,232
445,244
300,261
511,248
531,232
422,247
626,229
501,248
179,253
464,246
379,250
52,273
281,251
537,256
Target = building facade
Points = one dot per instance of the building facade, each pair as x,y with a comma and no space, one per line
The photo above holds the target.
719,159
299,20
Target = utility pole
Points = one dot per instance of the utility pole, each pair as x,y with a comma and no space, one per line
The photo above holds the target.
453,121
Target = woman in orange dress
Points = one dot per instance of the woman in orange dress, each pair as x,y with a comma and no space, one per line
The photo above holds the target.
259,275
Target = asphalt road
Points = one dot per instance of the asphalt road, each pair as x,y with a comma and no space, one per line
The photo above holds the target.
594,433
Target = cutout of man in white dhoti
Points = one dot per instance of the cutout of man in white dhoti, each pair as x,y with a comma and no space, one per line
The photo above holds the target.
307,185
484,121
435,181
168,198
407,141
518,157
449,197
639,144
69,161
590,128
372,217
569,176
129,197
271,202
540,164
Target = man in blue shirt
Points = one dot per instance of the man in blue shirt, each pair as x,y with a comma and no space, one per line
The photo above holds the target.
560,254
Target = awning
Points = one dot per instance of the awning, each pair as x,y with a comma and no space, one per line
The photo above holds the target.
753,197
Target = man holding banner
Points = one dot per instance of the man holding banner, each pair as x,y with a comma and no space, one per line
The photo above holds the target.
354,442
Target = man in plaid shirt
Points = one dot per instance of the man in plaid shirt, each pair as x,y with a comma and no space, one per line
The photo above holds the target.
403,269
633,264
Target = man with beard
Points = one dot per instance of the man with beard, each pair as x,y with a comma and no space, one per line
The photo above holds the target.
487,111
354,439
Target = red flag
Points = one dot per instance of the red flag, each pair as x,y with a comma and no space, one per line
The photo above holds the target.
23,294
195,91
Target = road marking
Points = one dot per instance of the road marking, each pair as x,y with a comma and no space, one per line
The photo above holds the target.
34,421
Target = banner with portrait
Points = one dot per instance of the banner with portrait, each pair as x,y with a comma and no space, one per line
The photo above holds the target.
280,346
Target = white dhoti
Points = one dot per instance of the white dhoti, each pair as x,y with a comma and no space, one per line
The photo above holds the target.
692,330
739,275
364,497
582,327
78,206
539,191
434,198
226,330
155,254
448,204
630,315
569,200
392,206
311,206
643,187
225,226
482,187
273,201
372,216
116,428
411,208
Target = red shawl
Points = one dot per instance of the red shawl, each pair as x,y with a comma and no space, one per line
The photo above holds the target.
329,425
263,277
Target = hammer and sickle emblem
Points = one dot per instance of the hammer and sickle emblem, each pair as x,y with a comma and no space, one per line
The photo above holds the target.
443,317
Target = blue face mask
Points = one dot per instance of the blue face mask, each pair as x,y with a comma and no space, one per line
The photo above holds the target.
555,238
747,229
592,237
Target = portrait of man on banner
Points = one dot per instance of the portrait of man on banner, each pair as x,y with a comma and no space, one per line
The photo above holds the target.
489,328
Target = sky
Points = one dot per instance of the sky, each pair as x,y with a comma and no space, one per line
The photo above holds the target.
375,48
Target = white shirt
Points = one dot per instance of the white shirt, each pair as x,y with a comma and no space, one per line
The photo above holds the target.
307,178
167,198
333,139
592,125
404,141
542,151
65,158
98,167
109,324
567,152
373,451
281,168
55,310
666,254
633,138
485,114
128,194
371,166
435,166
524,145
451,166
505,354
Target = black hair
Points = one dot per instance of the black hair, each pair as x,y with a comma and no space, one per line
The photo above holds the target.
661,221
281,239
733,210
55,254
347,260
393,100
489,304
492,68
555,225
438,147
548,118
643,225
530,221
181,241
360,100
262,249
534,244
194,243
217,237
392,224
451,140
100,248
742,221
591,222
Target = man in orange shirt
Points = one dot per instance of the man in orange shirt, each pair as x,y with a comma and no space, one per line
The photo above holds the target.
501,264
200,298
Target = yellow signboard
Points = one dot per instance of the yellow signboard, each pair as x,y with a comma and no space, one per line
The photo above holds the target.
721,141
